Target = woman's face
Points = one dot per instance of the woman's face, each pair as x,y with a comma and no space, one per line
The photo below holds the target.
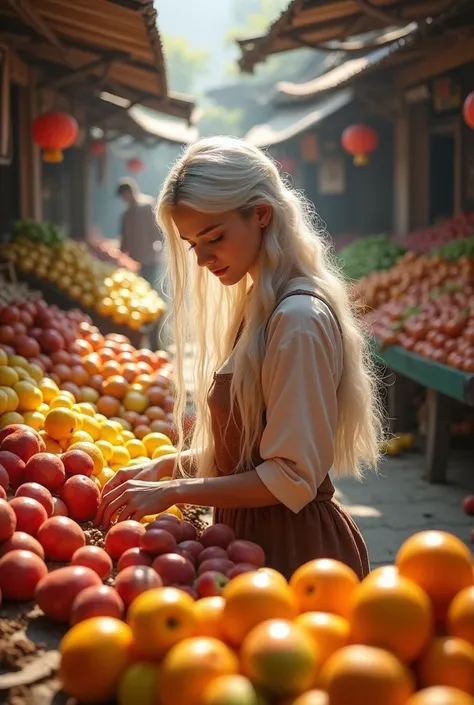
228,243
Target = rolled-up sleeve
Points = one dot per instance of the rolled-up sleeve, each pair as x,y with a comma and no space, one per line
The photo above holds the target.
300,375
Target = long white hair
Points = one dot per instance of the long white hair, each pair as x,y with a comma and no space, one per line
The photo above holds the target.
221,174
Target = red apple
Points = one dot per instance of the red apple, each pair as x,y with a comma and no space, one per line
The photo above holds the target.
4,481
134,556
123,536
221,565
187,589
81,497
172,527
173,568
21,541
56,592
60,509
14,466
211,583
8,520
157,541
24,444
20,573
193,547
47,469
30,514
38,492
217,535
96,601
77,462
134,580
188,531
468,505
240,568
241,551
212,552
95,558
60,538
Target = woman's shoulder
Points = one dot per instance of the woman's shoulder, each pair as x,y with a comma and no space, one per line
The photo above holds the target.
301,309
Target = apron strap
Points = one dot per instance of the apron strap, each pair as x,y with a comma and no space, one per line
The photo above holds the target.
304,292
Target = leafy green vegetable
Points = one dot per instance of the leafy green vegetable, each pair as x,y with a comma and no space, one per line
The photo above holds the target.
368,254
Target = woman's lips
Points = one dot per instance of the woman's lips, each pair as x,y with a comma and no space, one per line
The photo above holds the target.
220,272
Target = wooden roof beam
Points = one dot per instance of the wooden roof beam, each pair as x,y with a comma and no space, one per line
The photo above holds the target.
378,13
31,17
103,62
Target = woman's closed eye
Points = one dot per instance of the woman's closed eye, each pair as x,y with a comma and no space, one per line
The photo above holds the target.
214,241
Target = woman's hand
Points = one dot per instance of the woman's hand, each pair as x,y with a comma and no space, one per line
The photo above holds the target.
135,499
150,471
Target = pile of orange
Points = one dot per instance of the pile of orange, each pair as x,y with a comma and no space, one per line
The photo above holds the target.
402,636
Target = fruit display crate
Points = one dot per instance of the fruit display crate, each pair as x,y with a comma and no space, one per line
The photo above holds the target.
443,384
145,337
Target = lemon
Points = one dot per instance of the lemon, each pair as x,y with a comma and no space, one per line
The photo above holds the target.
154,440
135,448
106,449
120,457
34,419
109,432
35,371
3,357
91,426
23,374
127,435
49,389
79,436
12,398
105,476
163,450
101,418
18,360
60,401
10,417
29,396
43,408
8,376
86,408
60,423
3,402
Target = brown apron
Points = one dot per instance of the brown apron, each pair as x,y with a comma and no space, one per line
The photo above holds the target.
322,529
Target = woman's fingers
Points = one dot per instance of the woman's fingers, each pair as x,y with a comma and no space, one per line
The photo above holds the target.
103,515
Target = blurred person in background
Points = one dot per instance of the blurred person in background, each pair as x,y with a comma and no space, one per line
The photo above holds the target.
140,236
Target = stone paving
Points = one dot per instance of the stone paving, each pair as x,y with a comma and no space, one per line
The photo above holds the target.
397,502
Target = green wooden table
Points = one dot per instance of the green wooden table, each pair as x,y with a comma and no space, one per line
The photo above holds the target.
443,384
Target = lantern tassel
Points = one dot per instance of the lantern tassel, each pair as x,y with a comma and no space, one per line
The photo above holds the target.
53,156
361,159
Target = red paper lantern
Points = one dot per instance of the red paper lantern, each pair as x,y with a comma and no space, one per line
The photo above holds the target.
360,141
135,165
53,132
468,110
97,148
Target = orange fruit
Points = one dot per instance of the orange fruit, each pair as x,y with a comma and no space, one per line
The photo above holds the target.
141,430
229,690
135,401
311,697
94,452
448,661
208,613
60,423
108,405
99,647
280,658
329,632
460,621
324,585
440,695
93,364
364,675
115,386
111,368
252,598
440,563
190,666
159,618
393,613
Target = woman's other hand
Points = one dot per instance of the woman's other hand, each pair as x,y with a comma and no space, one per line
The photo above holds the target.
135,499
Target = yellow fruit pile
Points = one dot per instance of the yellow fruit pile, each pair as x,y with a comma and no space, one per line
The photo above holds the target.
27,396
70,266
402,636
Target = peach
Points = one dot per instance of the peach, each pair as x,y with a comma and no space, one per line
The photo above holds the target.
211,583
134,580
38,492
55,593
30,514
95,558
23,443
14,466
21,541
47,469
133,556
8,520
60,538
20,573
81,497
123,536
96,601
60,508
77,462
4,481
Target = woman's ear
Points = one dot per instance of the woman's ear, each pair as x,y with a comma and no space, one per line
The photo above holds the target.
264,214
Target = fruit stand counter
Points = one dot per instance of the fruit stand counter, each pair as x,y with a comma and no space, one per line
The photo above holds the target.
144,337
443,383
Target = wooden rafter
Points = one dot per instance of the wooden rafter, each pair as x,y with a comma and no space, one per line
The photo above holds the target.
90,68
29,15
378,13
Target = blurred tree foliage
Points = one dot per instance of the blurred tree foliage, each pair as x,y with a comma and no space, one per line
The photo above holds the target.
184,63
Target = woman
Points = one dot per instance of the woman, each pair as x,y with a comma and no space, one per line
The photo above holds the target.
285,391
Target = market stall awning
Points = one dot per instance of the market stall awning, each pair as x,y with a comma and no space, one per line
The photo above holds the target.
111,45
164,129
288,122
350,69
332,24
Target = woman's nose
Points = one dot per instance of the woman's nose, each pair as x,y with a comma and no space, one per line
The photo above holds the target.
204,257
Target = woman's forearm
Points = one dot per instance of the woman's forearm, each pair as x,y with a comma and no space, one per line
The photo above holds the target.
232,491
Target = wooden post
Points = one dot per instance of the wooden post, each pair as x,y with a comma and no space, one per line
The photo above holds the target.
29,153
401,176
419,166
398,400
437,436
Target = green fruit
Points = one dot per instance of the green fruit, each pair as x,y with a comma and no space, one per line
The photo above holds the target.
139,684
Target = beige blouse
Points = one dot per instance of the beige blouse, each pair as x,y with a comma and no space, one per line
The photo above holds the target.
300,375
